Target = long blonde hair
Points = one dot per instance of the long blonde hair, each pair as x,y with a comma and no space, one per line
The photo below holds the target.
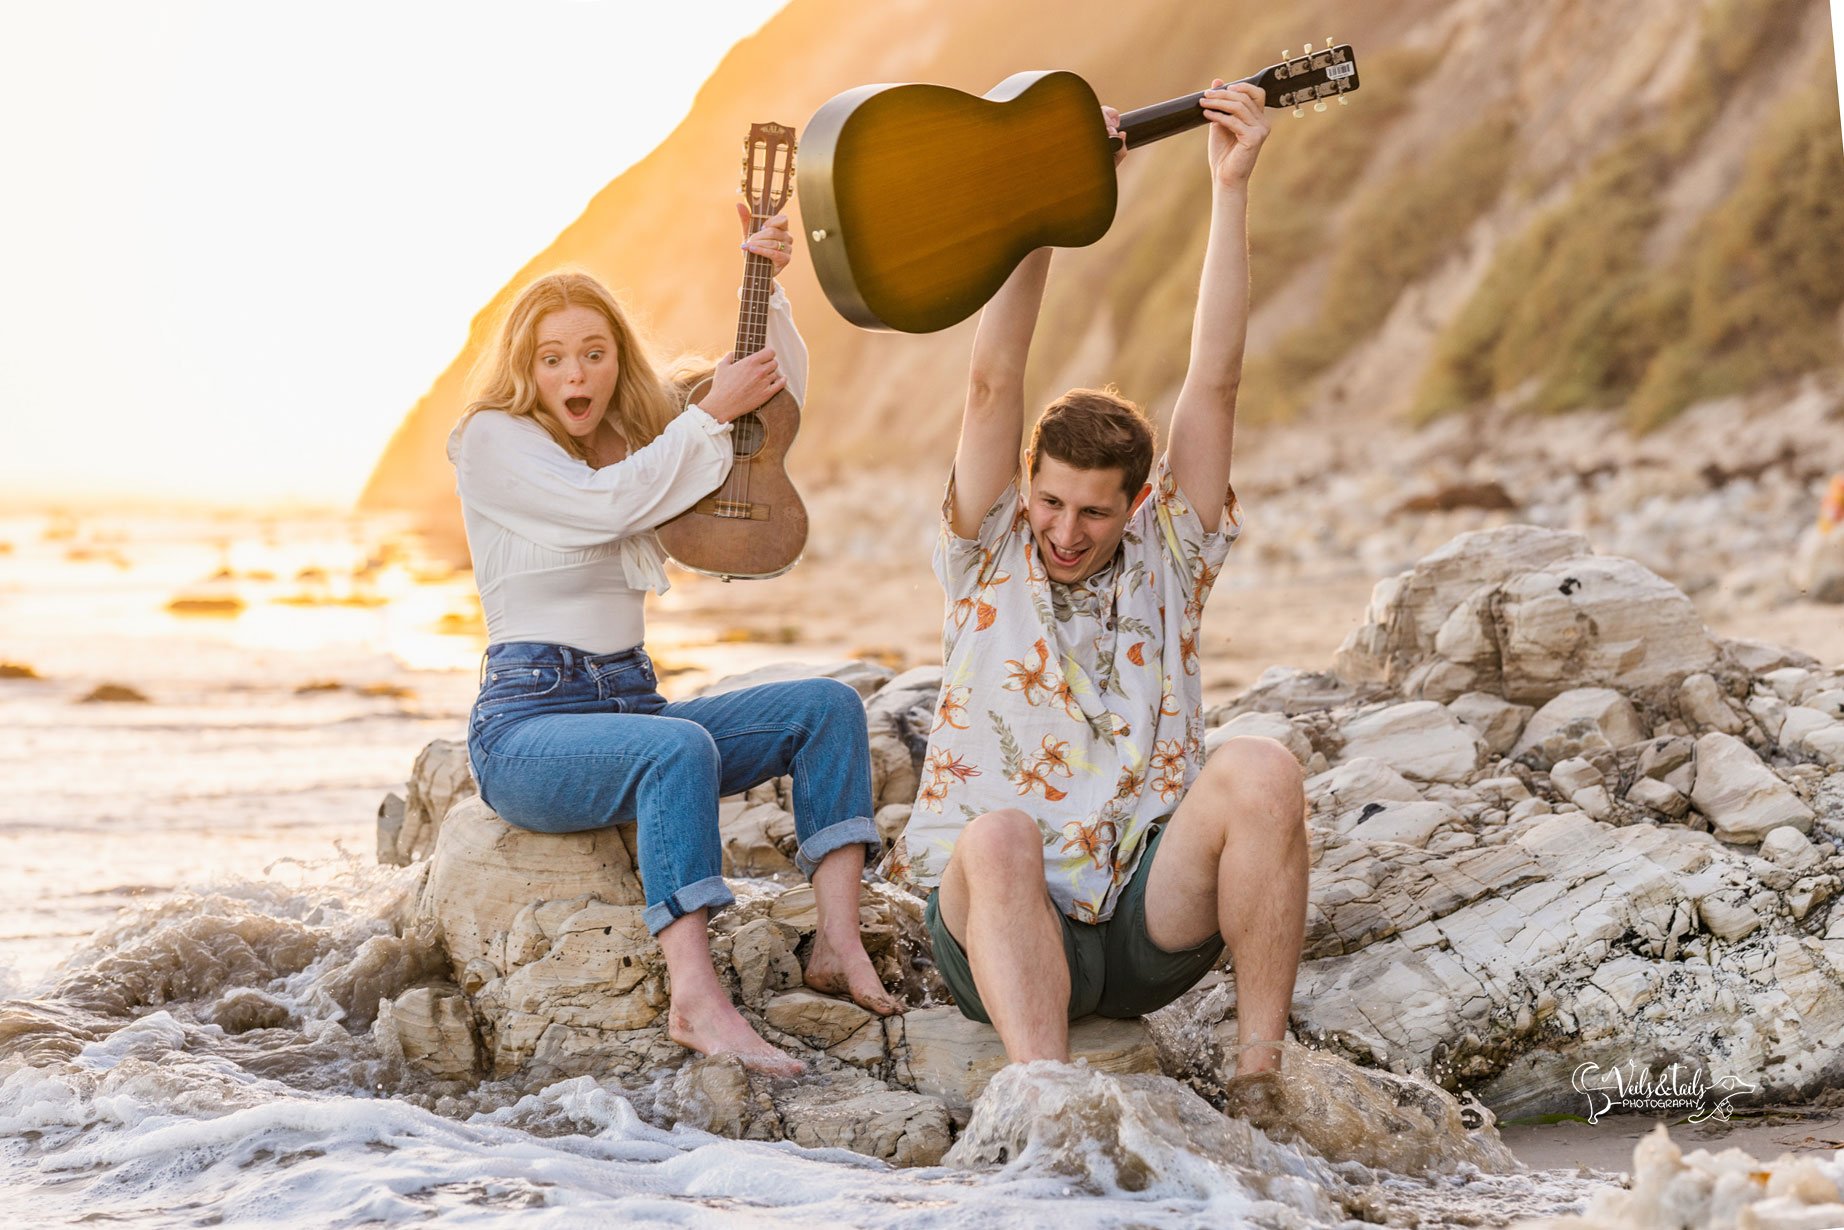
642,405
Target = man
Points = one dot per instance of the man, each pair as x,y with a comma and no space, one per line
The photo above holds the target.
1086,859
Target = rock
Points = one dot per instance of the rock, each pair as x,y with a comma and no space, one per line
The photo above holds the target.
1788,682
600,970
864,677
943,1054
1409,824
899,718
1809,732
1579,720
1826,745
113,693
18,670
762,954
1759,657
821,1021
712,1094
1419,739
1742,797
891,820
1704,705
1266,725
857,1113
1344,793
1650,793
1787,847
1291,692
1497,720
1574,774
1129,1133
484,871
1809,891
1728,920
390,829
1407,611
756,838
440,778
1662,757
1770,711
1818,565
1600,620
432,1028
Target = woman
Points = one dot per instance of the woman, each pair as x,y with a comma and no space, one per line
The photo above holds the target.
571,454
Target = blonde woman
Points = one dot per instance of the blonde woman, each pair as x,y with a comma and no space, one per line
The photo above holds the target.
574,450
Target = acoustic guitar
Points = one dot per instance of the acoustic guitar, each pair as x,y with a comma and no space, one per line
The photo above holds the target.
920,200
754,525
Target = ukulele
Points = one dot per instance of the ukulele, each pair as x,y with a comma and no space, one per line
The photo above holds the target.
754,525
920,200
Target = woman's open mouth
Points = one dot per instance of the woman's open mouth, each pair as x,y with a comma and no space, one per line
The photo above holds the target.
576,407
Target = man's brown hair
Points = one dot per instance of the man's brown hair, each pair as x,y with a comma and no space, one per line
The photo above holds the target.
1096,429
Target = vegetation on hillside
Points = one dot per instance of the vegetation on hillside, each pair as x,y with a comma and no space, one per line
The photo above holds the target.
1574,313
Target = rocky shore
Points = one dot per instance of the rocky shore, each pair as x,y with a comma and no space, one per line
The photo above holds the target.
1554,821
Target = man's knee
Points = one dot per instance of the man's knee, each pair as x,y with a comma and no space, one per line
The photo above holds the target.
1003,845
1255,767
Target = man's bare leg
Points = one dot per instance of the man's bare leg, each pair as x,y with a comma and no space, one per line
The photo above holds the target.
1234,861
701,1017
838,964
995,903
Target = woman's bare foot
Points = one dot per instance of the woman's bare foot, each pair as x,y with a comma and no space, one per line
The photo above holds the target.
717,1028
840,970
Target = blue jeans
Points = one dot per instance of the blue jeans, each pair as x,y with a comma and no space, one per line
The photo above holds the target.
561,741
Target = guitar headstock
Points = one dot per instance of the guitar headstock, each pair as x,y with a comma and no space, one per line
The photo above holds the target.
1310,78
768,168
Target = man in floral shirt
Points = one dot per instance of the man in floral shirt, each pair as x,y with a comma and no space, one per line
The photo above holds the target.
1084,857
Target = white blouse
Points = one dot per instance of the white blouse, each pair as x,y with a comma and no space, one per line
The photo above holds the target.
565,553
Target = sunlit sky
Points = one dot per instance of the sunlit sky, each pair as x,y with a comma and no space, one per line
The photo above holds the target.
239,238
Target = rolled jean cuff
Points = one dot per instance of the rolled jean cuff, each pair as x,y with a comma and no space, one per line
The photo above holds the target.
709,892
860,830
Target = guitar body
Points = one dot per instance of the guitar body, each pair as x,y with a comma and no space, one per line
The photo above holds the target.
754,525
919,200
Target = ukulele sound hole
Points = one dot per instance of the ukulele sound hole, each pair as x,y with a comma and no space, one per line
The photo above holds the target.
746,435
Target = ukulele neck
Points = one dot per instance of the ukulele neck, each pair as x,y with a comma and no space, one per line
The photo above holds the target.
758,286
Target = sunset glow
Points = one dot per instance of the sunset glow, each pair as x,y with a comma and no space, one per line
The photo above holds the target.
241,240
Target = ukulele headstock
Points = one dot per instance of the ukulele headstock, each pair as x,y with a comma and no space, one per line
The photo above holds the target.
1310,78
768,168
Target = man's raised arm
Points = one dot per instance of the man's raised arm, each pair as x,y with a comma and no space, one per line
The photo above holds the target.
1204,422
992,426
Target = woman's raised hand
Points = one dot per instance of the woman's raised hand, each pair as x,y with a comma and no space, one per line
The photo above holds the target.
740,385
772,241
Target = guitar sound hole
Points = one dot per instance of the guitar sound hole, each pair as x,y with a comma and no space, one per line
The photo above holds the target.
746,435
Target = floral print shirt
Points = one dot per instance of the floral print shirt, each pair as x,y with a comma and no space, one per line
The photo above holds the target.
1080,704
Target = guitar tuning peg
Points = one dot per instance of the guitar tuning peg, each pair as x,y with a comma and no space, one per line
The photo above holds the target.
1309,49
1319,106
1286,54
1343,101
1328,42
1298,112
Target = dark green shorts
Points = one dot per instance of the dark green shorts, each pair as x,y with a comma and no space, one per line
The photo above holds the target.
1114,967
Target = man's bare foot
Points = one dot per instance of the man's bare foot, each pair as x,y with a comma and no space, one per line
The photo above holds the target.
1256,1057
835,971
719,1029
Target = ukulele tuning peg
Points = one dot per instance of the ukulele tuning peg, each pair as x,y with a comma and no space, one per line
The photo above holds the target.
1319,106
1328,42
1343,101
1298,112
1286,54
1309,49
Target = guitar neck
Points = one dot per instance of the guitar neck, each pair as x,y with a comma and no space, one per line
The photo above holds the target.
758,287
1310,78
1168,118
